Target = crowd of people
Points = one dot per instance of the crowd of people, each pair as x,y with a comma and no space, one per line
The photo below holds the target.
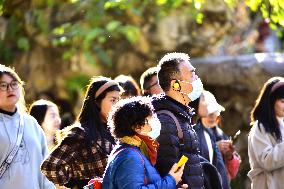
133,137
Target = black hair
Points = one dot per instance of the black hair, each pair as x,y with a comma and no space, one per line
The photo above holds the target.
146,77
39,108
264,112
129,85
128,115
38,112
168,69
11,72
89,116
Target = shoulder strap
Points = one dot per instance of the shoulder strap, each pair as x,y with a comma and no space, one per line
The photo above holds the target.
120,150
179,130
6,163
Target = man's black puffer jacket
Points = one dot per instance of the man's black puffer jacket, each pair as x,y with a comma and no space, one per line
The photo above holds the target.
169,146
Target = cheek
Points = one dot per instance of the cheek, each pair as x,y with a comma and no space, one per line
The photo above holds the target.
211,121
279,109
105,108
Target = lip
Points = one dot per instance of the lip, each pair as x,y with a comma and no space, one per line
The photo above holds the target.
11,95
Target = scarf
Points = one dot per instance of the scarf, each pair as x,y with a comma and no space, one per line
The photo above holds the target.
147,146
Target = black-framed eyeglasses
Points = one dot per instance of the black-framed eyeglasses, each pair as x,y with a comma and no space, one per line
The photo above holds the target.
150,86
4,86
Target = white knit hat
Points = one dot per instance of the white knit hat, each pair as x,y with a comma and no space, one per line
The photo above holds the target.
208,104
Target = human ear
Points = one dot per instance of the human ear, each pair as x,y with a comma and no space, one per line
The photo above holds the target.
175,85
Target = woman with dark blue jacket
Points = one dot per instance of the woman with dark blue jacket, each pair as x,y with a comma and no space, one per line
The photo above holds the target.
130,165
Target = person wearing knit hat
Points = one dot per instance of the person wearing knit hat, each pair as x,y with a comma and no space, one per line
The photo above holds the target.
47,115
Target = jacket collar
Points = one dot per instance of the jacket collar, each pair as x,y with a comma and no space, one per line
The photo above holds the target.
164,102
8,113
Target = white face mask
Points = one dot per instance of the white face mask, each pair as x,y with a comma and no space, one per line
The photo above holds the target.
197,88
155,124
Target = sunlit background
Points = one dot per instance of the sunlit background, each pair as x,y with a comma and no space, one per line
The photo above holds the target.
57,45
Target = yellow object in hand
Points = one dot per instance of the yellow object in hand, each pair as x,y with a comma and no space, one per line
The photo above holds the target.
182,161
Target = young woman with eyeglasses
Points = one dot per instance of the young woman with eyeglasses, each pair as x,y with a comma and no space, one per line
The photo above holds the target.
22,142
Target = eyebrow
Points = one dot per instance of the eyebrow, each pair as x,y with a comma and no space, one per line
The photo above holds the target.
113,97
8,82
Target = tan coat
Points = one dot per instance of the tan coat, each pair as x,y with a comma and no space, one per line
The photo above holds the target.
266,158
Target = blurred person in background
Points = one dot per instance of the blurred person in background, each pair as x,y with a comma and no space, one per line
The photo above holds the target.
131,164
83,152
149,82
22,141
65,108
265,140
47,115
219,149
129,85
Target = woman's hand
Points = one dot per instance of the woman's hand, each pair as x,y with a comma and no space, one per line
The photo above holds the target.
226,147
176,174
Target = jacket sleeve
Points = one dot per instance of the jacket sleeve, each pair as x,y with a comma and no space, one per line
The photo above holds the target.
221,167
168,151
131,174
269,156
56,167
233,166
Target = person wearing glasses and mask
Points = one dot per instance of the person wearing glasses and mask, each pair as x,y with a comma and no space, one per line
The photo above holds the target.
22,141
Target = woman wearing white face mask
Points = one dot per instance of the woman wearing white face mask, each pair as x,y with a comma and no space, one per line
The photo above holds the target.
130,165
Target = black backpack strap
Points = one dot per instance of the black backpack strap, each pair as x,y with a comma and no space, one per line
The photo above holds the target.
179,130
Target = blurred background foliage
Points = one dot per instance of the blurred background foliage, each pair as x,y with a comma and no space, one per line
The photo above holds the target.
84,26
56,45
66,32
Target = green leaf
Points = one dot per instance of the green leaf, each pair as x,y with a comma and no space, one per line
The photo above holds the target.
23,43
103,56
67,55
199,18
113,25
132,33
76,82
89,57
90,36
